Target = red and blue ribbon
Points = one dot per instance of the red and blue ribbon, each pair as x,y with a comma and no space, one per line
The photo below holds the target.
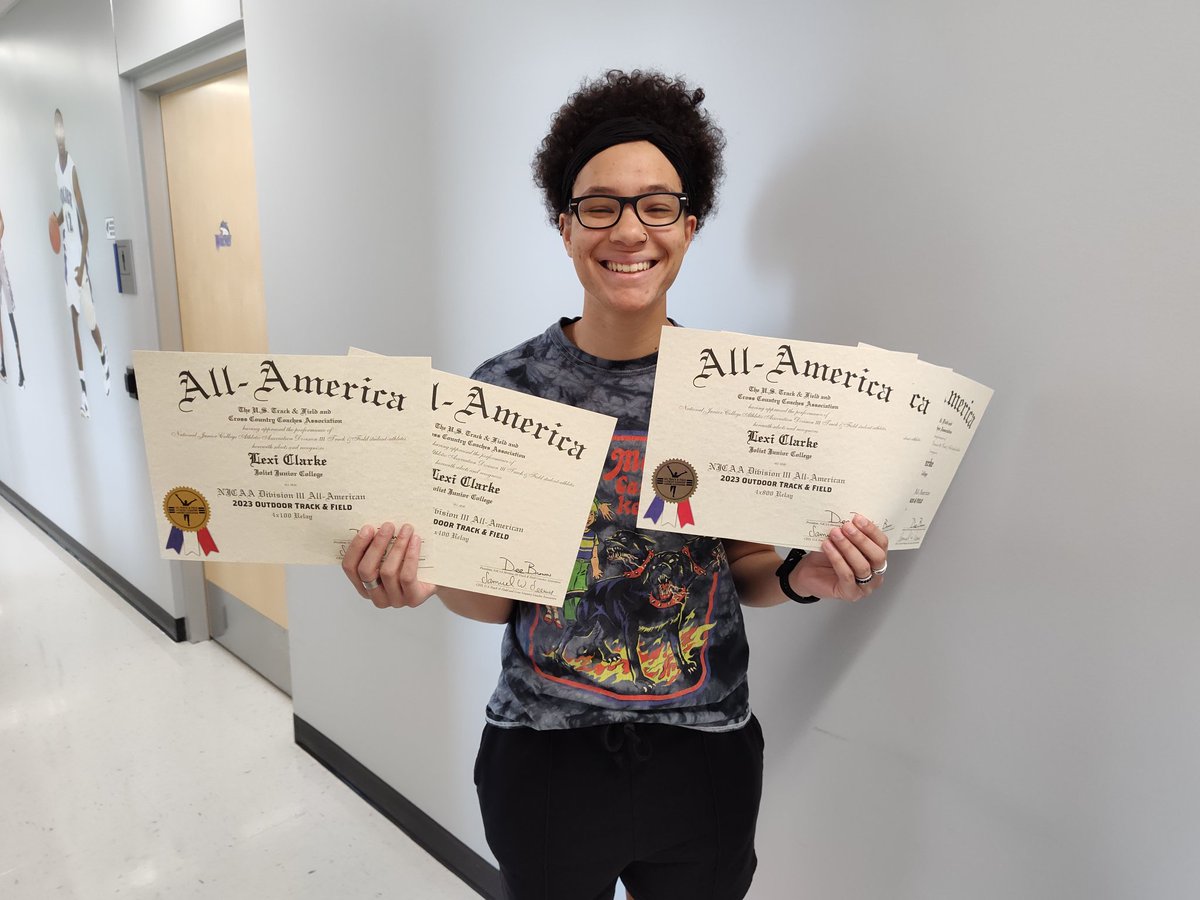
207,544
684,514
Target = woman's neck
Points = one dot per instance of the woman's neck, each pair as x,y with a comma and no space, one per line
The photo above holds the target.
617,337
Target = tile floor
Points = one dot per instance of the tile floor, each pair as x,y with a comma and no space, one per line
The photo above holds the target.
132,766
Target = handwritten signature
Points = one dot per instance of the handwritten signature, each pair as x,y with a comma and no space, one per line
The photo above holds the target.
529,568
513,581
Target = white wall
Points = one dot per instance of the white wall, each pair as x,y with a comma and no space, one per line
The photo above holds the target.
1010,190
148,30
88,476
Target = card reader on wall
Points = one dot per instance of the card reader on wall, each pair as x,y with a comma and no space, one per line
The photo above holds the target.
123,254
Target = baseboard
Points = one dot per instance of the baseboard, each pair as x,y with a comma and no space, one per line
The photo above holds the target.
473,869
175,629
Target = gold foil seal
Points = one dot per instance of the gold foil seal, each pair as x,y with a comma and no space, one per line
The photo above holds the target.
675,480
186,508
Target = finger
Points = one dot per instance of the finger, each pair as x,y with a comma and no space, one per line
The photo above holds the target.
411,591
841,568
411,563
389,572
372,558
874,533
859,565
353,556
865,536
876,551
360,567
389,568
368,570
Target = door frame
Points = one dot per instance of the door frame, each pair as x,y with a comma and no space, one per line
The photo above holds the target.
208,610
141,87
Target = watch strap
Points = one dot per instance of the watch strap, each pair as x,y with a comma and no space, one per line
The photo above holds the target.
784,572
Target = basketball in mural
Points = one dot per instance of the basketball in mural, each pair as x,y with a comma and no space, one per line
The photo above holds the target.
55,235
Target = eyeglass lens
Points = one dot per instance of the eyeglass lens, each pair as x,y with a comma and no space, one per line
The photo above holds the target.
651,209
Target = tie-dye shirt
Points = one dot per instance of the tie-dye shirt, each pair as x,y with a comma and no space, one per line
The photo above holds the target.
658,637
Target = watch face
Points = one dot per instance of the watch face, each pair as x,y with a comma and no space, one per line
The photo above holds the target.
675,480
186,508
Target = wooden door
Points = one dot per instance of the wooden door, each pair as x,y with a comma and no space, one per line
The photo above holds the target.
214,220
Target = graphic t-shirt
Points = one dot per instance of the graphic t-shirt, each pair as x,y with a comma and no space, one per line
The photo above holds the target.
657,636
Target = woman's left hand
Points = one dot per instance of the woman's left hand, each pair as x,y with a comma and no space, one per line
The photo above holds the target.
853,553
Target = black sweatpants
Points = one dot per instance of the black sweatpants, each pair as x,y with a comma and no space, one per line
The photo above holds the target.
670,811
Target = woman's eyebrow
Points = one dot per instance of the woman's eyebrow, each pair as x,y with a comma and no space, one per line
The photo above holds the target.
604,189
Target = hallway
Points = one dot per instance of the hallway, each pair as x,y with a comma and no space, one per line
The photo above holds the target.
131,766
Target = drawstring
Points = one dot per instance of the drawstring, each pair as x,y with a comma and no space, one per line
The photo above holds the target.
627,736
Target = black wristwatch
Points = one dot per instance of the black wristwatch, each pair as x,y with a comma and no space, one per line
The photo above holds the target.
785,570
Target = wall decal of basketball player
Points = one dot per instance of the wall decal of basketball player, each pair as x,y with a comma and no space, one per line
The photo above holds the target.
73,231
8,305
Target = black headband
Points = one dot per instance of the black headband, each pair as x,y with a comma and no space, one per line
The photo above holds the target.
611,132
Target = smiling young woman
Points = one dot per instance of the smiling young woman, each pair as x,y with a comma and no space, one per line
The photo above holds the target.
626,266
619,740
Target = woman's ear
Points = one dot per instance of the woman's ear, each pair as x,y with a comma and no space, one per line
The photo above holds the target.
564,231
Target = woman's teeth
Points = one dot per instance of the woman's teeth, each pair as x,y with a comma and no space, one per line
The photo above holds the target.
628,268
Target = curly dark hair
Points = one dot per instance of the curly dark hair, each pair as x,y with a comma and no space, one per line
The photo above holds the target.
668,102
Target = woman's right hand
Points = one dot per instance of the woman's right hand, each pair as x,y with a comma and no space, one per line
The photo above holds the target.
387,577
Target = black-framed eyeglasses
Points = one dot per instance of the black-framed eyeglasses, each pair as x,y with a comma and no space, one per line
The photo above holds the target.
654,210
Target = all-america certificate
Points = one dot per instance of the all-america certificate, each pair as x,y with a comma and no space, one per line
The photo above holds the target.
269,458
514,480
777,441
963,403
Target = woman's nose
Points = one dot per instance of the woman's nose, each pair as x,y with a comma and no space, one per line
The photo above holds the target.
628,228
